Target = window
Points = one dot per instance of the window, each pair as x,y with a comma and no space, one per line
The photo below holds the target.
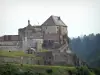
57,31
44,32
49,57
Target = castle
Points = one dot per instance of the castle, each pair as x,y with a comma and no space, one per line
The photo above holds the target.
52,36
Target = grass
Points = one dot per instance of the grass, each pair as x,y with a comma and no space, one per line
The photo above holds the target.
47,66
18,53
43,70
40,70
43,50
15,54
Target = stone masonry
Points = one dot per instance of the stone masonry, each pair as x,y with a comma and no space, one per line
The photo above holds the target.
52,35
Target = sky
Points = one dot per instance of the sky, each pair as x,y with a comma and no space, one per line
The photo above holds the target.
81,16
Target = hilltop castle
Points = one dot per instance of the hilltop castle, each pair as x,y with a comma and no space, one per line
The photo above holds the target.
52,35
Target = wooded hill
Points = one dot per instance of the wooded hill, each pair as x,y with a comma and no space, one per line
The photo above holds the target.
87,47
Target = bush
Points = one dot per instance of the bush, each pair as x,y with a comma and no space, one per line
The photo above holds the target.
69,72
49,71
83,71
17,69
97,71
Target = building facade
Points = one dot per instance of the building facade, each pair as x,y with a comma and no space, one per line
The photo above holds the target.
54,32
9,42
51,35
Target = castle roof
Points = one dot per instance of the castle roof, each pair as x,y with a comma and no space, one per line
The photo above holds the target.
53,20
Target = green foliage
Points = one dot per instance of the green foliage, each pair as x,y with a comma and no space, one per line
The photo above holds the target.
83,71
87,48
49,71
17,69
97,71
8,69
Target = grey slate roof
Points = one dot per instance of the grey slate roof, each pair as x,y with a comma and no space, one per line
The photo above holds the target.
53,20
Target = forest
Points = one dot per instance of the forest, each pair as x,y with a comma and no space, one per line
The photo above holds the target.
87,48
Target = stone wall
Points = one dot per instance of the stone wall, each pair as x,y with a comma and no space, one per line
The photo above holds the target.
49,29
10,48
32,43
21,60
10,45
62,58
47,57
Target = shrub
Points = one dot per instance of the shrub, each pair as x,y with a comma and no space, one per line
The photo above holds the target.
49,71
17,69
69,72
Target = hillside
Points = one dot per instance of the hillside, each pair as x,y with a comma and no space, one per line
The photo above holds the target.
87,48
17,69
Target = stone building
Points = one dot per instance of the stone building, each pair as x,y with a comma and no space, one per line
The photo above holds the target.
9,42
30,37
46,56
54,32
51,35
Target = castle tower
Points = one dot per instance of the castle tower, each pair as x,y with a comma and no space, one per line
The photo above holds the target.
54,31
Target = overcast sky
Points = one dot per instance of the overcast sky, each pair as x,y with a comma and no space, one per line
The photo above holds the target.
81,16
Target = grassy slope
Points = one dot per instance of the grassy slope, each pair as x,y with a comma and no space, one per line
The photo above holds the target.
17,69
14,54
56,70
17,53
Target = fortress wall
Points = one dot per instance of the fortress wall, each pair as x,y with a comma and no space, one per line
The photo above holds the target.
20,60
10,48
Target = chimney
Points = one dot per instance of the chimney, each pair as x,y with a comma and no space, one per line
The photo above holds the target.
58,18
28,22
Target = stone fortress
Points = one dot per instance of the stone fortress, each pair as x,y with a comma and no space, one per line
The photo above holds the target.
49,41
